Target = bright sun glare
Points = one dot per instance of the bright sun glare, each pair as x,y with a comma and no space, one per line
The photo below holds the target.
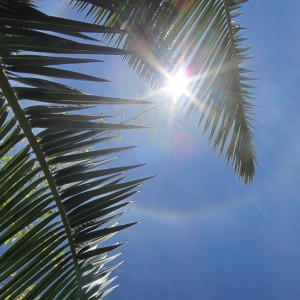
178,84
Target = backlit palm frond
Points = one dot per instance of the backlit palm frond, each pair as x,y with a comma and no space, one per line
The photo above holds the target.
201,37
59,203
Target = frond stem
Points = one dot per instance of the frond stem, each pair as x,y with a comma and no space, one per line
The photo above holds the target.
24,124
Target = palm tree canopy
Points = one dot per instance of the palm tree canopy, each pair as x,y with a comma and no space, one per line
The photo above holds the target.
62,202
201,37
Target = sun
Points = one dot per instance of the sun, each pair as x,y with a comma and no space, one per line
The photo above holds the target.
177,84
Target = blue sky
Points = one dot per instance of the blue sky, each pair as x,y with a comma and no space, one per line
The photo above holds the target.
204,234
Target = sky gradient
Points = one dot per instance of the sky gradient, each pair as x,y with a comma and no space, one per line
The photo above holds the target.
204,234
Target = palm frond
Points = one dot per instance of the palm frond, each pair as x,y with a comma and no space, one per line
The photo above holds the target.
58,202
201,37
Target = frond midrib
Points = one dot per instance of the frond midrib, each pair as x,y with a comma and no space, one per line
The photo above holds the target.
234,51
11,98
243,114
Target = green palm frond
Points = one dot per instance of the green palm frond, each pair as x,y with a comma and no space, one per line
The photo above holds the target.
58,202
201,37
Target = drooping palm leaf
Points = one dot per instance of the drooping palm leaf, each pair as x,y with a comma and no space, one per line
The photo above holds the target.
59,200
201,37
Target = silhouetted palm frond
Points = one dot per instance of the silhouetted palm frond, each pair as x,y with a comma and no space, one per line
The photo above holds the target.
58,202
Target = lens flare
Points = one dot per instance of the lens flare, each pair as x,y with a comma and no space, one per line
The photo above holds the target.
178,84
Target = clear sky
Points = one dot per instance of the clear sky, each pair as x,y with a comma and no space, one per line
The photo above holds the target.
204,234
